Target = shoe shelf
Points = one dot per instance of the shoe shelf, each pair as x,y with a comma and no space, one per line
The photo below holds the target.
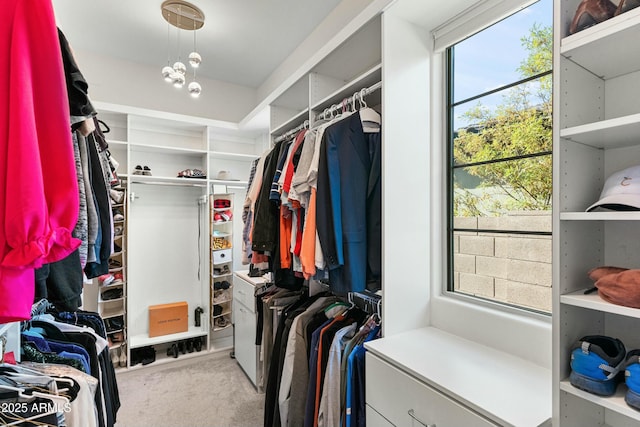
607,39
143,340
615,403
166,180
596,128
220,276
108,312
173,150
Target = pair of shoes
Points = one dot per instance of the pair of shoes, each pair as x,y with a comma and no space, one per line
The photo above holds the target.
110,294
192,173
117,230
113,324
140,170
114,263
221,322
173,351
219,271
117,215
116,337
221,285
144,355
111,279
116,196
223,216
597,363
221,203
220,297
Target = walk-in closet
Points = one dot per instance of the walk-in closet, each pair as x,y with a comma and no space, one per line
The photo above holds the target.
319,213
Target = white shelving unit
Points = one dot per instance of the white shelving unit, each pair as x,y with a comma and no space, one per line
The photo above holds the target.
598,116
354,65
167,229
221,261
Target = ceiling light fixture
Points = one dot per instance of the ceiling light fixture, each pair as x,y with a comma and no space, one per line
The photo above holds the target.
183,16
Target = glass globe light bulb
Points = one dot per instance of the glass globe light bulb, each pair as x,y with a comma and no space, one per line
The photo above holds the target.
195,89
166,73
179,67
195,59
178,80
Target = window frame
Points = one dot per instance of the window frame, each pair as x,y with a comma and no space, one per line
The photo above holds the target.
449,105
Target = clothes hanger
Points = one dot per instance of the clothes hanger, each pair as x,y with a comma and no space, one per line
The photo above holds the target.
370,118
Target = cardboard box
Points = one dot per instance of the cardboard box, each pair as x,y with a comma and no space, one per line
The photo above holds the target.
165,319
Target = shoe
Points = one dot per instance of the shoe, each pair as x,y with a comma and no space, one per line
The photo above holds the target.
117,215
116,196
217,310
189,345
182,347
221,203
173,351
217,217
148,355
227,215
219,271
596,361
192,173
146,171
123,357
632,378
138,170
221,322
197,344
117,230
221,285
114,263
115,357
106,279
222,296
591,12
113,324
110,294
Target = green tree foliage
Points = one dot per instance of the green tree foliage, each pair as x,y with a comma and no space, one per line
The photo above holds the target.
520,125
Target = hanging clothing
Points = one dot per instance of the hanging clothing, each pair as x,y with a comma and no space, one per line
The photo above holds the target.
39,191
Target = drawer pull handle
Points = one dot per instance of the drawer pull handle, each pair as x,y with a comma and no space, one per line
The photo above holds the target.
412,414
242,292
242,310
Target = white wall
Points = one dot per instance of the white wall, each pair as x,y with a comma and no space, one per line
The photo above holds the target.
121,82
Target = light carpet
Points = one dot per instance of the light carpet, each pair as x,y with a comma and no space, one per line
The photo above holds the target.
208,391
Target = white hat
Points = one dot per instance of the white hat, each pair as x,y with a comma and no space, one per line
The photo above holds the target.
224,175
621,191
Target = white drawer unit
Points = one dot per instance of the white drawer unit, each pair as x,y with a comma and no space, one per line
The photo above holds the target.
243,292
429,377
412,402
247,353
222,256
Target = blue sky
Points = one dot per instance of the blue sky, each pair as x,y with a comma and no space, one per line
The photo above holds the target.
490,58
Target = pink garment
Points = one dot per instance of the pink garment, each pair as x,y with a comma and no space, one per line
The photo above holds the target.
38,187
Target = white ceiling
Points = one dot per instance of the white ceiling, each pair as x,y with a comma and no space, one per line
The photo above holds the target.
242,41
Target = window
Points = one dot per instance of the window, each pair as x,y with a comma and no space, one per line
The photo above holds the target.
499,161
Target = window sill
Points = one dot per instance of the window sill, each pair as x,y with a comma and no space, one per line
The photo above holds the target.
504,388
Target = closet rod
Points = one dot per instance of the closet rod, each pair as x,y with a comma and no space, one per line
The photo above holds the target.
290,133
175,184
349,100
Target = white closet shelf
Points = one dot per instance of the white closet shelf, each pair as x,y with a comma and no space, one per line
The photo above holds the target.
291,123
615,403
219,276
107,301
165,180
233,156
600,216
167,150
105,313
366,79
615,40
594,302
142,340
222,222
611,133
230,182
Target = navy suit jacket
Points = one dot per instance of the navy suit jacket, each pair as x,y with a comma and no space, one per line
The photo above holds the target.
347,202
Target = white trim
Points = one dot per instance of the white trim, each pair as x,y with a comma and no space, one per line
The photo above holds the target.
474,19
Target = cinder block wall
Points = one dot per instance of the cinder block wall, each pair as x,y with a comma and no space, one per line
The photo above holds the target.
511,268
